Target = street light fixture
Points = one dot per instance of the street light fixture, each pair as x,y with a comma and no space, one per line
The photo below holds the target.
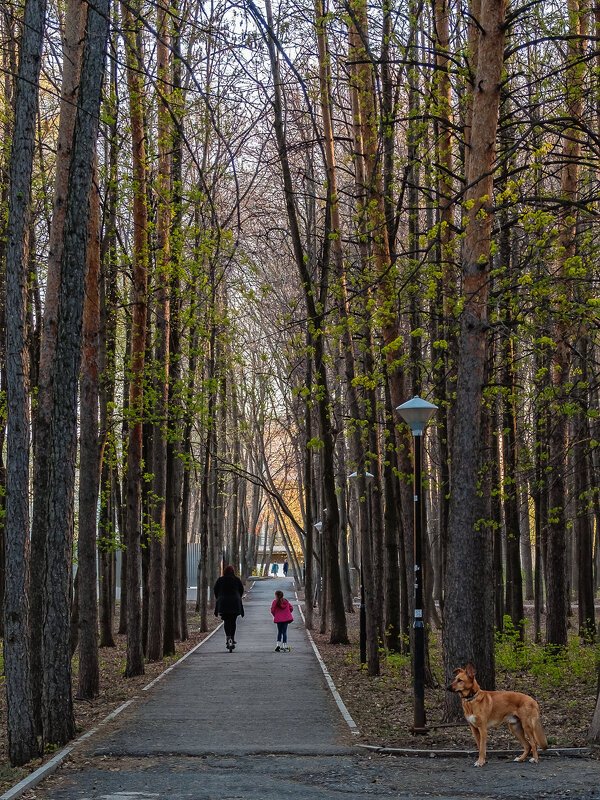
363,614
318,589
417,413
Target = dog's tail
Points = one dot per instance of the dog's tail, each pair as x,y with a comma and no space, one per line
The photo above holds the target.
540,736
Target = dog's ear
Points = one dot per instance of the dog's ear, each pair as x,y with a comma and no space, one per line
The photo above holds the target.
470,670
457,670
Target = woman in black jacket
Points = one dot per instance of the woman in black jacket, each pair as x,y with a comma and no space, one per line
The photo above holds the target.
228,595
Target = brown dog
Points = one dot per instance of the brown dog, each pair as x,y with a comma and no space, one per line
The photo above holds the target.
484,710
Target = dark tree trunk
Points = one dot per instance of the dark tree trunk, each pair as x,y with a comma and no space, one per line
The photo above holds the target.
176,527
203,586
22,742
395,583
57,718
342,488
162,300
558,440
309,565
109,478
90,456
135,71
397,602
75,20
512,522
583,528
120,486
8,65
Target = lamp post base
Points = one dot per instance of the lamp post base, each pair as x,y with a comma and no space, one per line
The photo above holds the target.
418,731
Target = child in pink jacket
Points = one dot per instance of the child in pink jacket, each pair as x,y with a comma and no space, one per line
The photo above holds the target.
282,616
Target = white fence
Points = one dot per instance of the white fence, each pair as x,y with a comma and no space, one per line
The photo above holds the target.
193,556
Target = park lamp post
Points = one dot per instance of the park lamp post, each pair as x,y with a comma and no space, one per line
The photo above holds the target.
318,526
417,413
363,614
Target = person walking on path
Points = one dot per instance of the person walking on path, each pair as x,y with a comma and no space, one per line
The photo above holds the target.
228,596
282,616
285,569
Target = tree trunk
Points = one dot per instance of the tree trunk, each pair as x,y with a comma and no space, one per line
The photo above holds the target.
582,527
90,457
161,294
22,742
57,717
8,66
109,302
75,20
514,580
309,565
135,71
468,608
556,576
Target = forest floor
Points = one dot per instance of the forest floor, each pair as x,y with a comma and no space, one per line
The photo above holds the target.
381,706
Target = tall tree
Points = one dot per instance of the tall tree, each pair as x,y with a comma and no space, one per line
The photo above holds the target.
135,71
89,464
556,575
468,609
22,741
58,720
162,301
75,20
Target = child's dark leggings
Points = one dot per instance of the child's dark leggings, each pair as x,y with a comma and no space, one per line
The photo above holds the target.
282,632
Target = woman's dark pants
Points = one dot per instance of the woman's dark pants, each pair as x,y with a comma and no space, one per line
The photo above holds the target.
229,625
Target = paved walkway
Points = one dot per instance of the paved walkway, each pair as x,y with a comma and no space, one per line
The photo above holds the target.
259,725
249,701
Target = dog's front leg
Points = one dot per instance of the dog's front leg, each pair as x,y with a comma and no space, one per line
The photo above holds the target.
481,742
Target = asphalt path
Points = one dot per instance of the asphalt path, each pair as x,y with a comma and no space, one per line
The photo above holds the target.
260,725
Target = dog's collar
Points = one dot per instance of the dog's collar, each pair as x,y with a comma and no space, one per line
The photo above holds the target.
471,696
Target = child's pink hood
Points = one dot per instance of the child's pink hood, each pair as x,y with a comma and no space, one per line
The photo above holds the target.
282,613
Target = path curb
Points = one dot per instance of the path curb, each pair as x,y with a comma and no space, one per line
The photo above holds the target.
332,687
36,777
560,752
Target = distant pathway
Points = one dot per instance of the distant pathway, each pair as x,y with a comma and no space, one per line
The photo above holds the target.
252,700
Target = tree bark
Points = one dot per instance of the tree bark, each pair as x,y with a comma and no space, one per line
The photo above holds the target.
58,720
582,527
135,71
90,459
75,20
109,481
161,294
556,576
22,742
468,608
8,65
